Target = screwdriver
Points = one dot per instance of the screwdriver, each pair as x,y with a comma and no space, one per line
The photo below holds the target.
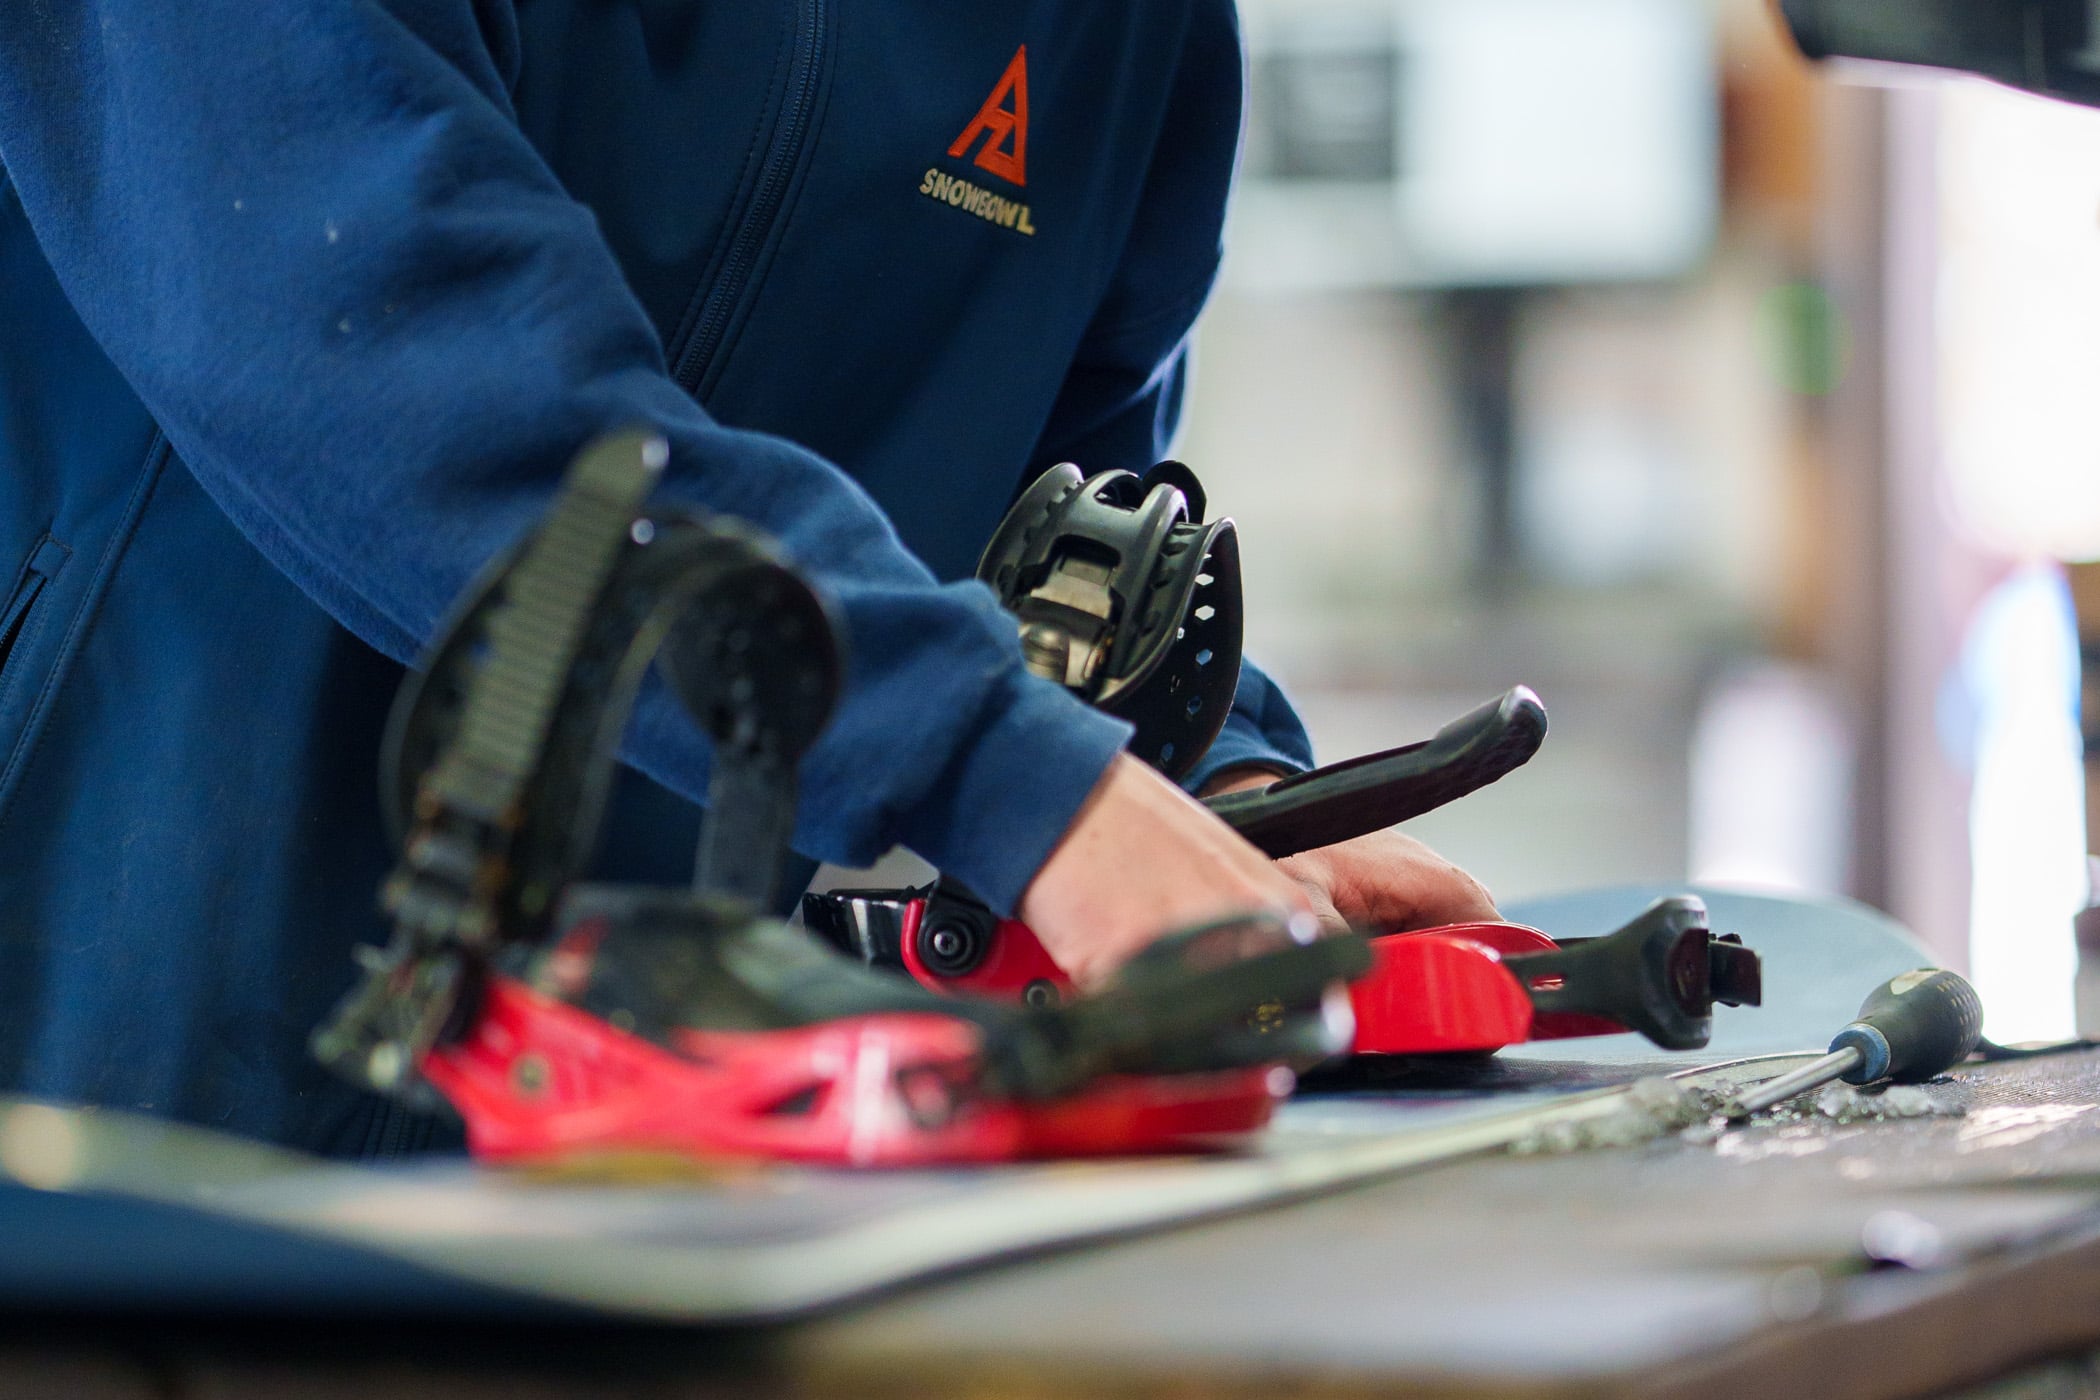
1910,1029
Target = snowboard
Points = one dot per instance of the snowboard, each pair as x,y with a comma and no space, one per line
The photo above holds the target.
101,1210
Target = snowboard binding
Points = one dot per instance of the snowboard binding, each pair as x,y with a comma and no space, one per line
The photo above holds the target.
558,1017
1471,987
1128,600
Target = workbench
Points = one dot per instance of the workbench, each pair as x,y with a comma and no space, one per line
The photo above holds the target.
1799,1258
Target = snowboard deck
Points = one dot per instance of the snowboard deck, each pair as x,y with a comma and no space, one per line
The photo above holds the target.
107,1210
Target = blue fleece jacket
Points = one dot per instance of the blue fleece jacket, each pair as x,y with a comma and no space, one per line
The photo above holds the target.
303,307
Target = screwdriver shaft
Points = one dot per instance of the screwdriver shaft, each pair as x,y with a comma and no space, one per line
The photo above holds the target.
1787,1085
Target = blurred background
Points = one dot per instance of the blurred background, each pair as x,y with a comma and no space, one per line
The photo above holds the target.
1603,346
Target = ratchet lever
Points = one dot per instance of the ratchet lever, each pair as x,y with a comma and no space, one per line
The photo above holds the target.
1235,993
1659,975
1361,795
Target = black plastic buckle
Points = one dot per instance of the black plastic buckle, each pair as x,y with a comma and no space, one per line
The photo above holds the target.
1660,975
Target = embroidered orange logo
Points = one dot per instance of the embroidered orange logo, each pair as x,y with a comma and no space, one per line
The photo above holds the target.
1005,153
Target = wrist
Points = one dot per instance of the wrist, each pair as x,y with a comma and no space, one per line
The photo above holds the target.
997,811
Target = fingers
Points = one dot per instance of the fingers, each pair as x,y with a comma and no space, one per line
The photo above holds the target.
1449,895
1330,919
1142,859
1390,882
1459,900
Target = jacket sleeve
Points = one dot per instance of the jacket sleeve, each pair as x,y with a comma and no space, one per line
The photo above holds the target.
312,238
1122,401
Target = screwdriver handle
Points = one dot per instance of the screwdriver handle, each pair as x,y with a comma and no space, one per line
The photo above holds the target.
1912,1028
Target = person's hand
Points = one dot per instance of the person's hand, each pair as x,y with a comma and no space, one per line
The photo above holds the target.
1380,883
1143,859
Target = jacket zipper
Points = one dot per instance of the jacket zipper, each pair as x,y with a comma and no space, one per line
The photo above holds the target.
775,176
43,566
